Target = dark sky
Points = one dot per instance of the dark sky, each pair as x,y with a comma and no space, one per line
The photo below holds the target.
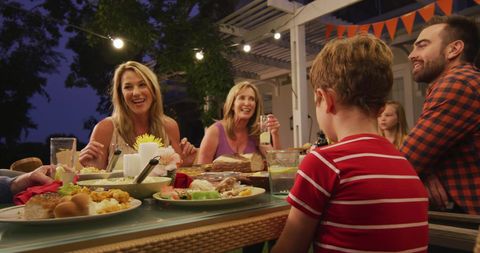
68,107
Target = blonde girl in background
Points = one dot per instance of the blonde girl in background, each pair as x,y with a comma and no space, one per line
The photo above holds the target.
392,123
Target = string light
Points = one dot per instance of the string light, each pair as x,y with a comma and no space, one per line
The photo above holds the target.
276,35
199,55
245,46
118,43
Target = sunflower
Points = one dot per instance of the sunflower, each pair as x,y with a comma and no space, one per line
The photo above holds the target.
144,138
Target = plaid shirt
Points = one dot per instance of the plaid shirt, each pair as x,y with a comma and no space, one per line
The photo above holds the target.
446,139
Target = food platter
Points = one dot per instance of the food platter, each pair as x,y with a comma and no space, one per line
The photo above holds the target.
88,176
211,202
15,215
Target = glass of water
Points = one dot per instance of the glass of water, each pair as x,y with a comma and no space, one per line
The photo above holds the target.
282,169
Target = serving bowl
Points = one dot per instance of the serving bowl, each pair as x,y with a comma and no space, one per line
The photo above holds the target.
146,189
88,176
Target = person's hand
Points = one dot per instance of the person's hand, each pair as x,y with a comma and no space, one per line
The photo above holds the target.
436,193
91,155
273,125
39,176
189,152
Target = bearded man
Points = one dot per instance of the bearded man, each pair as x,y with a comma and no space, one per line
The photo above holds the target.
444,145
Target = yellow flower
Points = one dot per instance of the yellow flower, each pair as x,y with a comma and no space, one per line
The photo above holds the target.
144,138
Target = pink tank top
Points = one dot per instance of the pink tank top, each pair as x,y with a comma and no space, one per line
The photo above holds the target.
224,149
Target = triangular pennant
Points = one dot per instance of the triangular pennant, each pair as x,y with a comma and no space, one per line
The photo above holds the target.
378,28
392,26
445,6
427,11
364,28
351,30
408,20
329,30
477,1
340,31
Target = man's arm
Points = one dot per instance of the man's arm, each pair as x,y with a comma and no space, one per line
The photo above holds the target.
449,114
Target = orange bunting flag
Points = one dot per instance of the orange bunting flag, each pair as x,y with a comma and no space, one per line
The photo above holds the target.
477,1
329,30
408,20
351,30
427,11
377,28
364,28
340,31
392,26
445,6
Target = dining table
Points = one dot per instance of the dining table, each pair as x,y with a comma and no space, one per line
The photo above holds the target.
156,226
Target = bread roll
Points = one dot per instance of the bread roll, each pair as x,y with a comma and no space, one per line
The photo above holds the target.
66,209
238,162
77,206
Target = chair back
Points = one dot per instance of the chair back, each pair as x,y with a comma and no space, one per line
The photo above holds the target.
26,164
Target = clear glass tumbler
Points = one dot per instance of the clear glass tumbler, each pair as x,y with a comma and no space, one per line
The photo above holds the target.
282,169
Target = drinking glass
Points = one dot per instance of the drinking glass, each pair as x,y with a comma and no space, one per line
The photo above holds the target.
264,133
63,152
282,169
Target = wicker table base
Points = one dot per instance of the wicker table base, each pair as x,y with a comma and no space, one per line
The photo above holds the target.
219,237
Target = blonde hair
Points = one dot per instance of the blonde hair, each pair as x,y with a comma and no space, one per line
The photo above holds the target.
122,115
401,128
358,69
229,114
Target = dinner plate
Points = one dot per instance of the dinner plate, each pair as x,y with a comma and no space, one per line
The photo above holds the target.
210,202
88,176
15,215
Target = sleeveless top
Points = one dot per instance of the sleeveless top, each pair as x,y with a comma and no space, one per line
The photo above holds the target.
224,149
117,140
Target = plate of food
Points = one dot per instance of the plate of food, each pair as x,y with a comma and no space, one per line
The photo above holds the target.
53,207
88,173
204,193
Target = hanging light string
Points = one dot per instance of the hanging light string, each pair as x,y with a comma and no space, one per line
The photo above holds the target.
116,42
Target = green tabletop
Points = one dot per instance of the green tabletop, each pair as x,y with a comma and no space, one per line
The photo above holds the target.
150,216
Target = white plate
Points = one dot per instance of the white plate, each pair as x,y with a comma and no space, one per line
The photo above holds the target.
88,176
15,215
210,202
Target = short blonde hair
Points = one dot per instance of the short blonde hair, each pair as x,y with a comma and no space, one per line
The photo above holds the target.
229,114
358,69
122,115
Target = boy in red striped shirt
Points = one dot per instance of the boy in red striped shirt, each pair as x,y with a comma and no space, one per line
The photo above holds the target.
360,194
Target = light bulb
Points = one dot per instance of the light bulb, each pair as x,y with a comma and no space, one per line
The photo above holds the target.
247,48
199,55
277,35
118,43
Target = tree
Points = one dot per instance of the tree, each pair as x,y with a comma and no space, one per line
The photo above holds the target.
163,32
27,54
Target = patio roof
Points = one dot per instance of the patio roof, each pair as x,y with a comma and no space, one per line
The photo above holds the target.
269,58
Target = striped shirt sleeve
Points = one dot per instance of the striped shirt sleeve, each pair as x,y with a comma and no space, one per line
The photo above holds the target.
315,181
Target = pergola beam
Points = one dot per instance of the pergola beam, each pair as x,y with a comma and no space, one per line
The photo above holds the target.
308,12
246,75
262,60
